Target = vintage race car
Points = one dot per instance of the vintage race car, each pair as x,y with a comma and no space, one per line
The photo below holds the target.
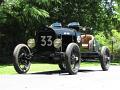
65,46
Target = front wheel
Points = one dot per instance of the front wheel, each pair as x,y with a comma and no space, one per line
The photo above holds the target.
72,58
105,58
22,56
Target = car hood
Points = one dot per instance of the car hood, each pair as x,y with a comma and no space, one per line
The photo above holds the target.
64,31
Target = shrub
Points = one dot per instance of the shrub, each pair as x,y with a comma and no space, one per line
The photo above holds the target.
108,41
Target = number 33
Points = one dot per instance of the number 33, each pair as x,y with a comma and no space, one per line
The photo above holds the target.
46,40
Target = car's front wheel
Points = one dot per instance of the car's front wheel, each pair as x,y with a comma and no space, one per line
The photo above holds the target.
22,56
72,58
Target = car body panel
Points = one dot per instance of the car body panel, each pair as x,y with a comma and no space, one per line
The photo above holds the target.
68,34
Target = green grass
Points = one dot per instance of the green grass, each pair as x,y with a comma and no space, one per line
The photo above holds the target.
36,67
9,69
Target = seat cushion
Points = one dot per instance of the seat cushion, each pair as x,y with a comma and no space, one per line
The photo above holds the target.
85,40
85,45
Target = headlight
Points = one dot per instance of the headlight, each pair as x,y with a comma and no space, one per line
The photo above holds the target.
84,29
57,43
31,43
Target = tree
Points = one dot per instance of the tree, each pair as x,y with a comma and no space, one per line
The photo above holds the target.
29,14
19,18
116,18
25,14
94,13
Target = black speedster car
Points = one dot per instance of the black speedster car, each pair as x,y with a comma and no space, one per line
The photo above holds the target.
63,46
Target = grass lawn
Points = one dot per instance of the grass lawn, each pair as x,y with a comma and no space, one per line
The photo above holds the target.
36,67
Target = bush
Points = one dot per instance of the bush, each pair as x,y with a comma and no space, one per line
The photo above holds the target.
108,41
16,18
116,49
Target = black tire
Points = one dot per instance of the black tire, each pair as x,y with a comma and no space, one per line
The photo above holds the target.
105,58
62,66
72,58
22,58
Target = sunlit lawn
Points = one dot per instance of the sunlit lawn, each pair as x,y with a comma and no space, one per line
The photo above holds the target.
37,67
9,69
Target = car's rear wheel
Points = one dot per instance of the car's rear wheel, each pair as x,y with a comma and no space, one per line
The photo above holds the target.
72,58
105,58
22,56
62,65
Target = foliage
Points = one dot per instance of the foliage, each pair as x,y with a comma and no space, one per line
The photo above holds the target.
102,39
19,18
108,41
94,13
116,35
30,14
22,14
116,17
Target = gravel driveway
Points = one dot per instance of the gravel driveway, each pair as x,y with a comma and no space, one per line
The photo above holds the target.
89,78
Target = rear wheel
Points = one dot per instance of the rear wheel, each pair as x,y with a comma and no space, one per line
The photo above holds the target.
72,58
105,58
22,58
62,65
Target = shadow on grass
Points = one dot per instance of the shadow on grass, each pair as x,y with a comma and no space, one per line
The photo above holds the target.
48,72
63,72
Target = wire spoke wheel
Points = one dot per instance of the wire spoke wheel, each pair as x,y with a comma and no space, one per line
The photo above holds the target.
105,58
62,65
72,58
21,58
